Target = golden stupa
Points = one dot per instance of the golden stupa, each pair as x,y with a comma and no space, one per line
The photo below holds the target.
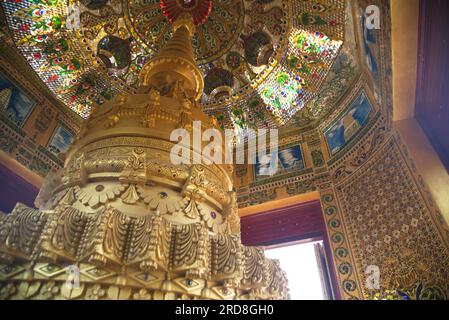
120,221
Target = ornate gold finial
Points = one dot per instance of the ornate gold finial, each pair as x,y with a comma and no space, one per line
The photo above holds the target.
184,20
176,61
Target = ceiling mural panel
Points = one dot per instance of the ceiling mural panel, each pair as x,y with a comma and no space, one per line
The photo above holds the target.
340,80
348,125
349,116
263,60
17,104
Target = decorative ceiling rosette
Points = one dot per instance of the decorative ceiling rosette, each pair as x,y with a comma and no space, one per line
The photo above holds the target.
262,60
198,9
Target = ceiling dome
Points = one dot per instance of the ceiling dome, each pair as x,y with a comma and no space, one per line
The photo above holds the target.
273,54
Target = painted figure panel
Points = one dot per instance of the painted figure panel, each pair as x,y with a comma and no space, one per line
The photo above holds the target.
348,125
14,102
61,141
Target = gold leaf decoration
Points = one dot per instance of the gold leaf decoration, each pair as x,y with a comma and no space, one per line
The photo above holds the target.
130,196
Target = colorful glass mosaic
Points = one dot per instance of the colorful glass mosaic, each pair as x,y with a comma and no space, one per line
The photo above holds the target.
275,54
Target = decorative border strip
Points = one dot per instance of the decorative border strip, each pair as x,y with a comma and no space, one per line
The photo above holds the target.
350,287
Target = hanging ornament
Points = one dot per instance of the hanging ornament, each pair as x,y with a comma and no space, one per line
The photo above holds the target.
198,9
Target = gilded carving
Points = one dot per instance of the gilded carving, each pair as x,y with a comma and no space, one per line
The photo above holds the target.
189,250
63,233
130,196
135,168
95,195
230,213
229,265
20,231
256,270
153,108
195,186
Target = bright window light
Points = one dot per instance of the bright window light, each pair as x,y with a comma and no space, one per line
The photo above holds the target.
303,273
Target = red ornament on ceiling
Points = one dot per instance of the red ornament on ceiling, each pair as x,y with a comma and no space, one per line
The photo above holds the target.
198,9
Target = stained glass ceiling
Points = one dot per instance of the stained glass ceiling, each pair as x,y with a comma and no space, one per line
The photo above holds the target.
263,60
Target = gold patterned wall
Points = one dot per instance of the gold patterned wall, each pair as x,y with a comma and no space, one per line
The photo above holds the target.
391,224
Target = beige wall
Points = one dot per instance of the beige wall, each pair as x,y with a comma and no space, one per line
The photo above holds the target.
404,35
428,164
